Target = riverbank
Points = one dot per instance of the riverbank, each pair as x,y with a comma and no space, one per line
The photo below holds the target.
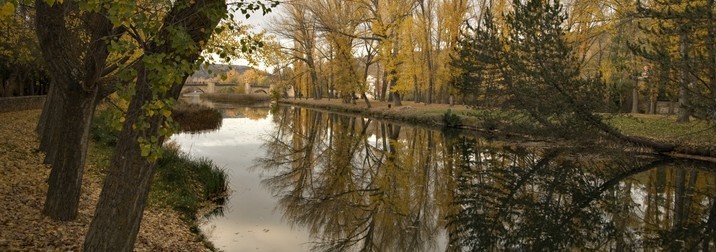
22,192
663,128
412,113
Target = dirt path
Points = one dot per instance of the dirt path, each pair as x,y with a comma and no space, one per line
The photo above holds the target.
22,191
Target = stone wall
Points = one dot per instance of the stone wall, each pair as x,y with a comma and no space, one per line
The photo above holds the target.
21,103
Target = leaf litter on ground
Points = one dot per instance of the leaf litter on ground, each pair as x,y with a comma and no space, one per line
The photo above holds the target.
23,185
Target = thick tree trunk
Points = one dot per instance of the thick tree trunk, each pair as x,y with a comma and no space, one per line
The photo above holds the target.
65,180
124,194
65,122
44,125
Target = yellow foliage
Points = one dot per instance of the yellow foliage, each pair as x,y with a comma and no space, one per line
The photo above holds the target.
7,9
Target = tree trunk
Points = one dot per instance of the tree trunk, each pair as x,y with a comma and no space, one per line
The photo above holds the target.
396,99
43,126
684,110
635,97
69,109
65,180
124,194
365,98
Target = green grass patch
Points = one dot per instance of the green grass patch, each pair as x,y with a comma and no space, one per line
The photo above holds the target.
187,184
665,128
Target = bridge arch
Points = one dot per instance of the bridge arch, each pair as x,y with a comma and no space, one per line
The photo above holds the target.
192,89
257,89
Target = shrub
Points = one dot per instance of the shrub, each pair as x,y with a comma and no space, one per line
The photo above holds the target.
196,118
451,119
106,126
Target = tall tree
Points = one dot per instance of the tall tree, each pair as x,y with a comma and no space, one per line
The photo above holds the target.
426,16
169,58
339,21
386,20
688,25
534,61
299,25
75,66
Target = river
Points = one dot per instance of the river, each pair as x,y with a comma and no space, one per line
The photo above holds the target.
304,179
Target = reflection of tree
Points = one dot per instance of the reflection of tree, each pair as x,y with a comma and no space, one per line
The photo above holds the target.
559,202
354,183
678,208
357,184
253,113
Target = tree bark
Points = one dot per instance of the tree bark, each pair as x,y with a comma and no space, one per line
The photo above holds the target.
70,107
396,99
124,194
684,110
126,188
65,180
635,97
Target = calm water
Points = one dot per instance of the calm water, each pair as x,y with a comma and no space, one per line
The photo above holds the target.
305,180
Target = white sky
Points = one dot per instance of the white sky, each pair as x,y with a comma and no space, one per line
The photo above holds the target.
260,23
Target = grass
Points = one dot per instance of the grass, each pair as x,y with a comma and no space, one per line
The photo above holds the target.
656,127
665,128
187,184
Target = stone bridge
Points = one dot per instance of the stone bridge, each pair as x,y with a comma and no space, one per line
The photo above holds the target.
211,87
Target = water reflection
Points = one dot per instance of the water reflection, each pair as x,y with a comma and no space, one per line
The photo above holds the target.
364,185
254,112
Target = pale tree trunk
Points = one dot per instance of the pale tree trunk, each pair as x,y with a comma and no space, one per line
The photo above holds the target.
365,80
396,99
635,97
427,16
684,109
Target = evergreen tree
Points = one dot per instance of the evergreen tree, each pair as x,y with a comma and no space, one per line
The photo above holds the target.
532,66
685,39
478,58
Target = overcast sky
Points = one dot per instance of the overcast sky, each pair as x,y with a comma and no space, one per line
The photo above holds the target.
260,23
